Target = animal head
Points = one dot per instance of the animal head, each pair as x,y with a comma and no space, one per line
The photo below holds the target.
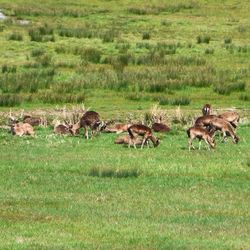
212,142
74,129
236,139
207,109
157,143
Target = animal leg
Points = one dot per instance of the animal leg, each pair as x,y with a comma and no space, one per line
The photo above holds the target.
199,144
208,145
86,133
143,142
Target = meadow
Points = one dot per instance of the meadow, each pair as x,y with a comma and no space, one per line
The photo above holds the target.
120,58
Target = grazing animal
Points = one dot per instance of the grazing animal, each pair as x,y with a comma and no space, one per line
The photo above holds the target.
232,117
207,109
90,119
142,130
62,129
118,128
201,134
225,127
160,127
125,139
21,129
204,121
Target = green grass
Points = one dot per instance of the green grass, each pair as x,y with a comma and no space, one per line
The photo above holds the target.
167,197
120,59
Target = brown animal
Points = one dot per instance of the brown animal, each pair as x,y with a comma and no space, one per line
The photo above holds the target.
201,134
90,119
142,130
21,129
204,121
207,109
160,127
118,128
225,127
62,129
232,117
125,139
33,121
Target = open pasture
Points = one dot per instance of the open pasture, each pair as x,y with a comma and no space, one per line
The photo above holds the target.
120,58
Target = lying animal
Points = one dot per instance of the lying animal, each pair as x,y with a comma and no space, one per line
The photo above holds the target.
160,127
21,129
125,139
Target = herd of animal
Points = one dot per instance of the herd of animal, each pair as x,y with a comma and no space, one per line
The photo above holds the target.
204,128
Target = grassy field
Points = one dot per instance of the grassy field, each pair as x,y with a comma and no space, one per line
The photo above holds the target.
66,192
120,58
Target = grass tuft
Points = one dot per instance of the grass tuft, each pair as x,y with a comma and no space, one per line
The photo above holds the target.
111,173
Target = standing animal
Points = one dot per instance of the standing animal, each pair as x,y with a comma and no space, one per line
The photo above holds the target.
225,127
207,109
125,139
21,129
118,128
142,130
231,116
160,127
204,121
201,134
90,119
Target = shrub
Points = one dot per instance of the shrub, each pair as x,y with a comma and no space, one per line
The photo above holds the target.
55,98
16,37
222,89
10,100
203,39
37,52
164,101
9,69
146,35
111,173
245,97
91,55
227,40
42,34
108,37
184,101
137,11
45,60
209,51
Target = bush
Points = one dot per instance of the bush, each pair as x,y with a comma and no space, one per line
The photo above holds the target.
203,39
16,37
184,101
108,37
9,69
91,55
37,52
227,40
209,51
111,173
10,100
245,98
42,34
226,89
145,35
164,101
